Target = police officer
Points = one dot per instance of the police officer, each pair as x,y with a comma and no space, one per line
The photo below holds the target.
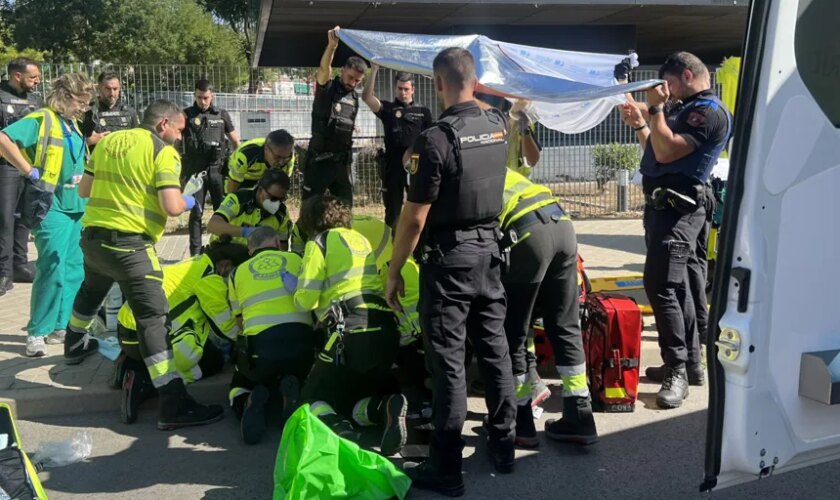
543,262
16,101
334,112
680,150
204,151
110,113
200,318
457,175
351,378
251,160
277,342
133,184
246,209
402,120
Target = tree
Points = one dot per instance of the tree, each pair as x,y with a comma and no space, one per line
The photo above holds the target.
240,17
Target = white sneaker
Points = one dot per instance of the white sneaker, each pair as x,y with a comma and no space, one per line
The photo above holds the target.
35,346
56,337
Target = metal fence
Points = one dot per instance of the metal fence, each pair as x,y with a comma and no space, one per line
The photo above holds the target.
282,98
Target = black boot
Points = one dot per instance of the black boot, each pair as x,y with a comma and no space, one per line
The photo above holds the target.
178,409
696,374
6,285
290,390
503,455
577,425
137,387
252,424
526,431
340,426
78,346
24,273
674,387
440,476
115,382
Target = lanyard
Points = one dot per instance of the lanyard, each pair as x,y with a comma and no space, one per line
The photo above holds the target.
68,134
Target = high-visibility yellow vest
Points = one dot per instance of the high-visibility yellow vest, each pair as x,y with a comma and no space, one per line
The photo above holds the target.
338,265
522,196
374,230
49,150
409,319
241,209
261,291
247,163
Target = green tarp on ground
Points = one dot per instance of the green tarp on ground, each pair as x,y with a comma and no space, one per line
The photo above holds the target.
313,462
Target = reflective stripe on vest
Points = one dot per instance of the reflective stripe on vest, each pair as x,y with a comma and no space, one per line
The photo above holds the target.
49,150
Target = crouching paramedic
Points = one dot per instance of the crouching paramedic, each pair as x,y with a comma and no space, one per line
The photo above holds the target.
543,260
276,342
377,233
246,209
199,317
351,376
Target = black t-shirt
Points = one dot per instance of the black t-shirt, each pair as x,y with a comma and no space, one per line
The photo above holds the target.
402,124
702,123
204,135
432,160
94,121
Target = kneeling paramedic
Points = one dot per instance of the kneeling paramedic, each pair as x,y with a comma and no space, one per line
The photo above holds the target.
276,343
352,374
246,209
377,233
200,323
543,271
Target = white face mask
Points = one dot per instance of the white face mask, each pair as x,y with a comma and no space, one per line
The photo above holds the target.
271,206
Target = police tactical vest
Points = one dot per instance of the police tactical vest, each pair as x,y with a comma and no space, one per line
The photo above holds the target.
334,117
407,125
474,197
206,129
697,165
121,117
13,108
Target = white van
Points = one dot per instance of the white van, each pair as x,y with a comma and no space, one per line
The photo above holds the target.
774,402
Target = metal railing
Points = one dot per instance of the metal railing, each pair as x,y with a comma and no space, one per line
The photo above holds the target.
283,99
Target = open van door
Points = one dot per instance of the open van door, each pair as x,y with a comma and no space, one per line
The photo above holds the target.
774,398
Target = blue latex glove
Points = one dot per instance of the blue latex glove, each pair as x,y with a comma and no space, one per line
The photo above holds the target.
34,174
190,201
246,231
290,281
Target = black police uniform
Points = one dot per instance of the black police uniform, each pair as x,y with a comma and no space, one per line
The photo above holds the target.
100,119
14,236
675,222
402,124
330,150
204,150
461,172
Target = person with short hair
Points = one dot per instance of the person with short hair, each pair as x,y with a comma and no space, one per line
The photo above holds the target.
17,99
402,121
253,158
334,110
109,113
48,150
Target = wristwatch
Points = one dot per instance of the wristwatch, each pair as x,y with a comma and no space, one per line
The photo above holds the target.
652,110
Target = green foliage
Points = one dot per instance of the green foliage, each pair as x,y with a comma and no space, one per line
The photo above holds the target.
610,158
151,31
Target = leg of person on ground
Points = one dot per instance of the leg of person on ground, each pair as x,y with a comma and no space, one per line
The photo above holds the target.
195,222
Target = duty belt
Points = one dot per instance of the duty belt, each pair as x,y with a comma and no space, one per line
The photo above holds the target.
365,298
444,237
112,235
541,215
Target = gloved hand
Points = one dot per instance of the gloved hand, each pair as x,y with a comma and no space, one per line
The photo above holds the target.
34,174
190,201
622,70
246,231
290,281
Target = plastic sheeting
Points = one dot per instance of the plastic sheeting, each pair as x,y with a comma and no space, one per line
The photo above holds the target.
572,91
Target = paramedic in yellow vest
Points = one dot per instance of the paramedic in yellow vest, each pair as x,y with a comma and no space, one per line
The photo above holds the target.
48,149
276,343
378,234
133,182
523,150
351,378
200,322
246,209
251,159
543,272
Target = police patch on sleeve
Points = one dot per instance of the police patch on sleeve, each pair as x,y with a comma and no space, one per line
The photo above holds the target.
413,164
696,119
